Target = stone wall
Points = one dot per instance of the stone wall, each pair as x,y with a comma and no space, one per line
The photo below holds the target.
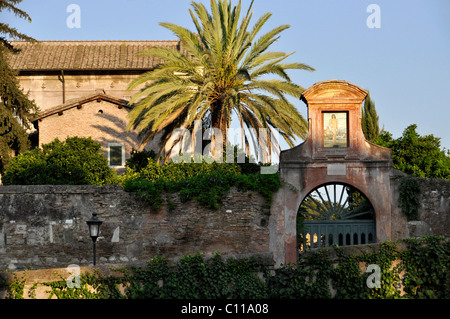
434,209
34,280
45,226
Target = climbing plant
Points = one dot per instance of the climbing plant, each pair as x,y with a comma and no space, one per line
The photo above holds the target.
417,271
409,197
208,188
15,289
427,265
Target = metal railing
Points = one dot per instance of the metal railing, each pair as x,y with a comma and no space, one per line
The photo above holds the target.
325,233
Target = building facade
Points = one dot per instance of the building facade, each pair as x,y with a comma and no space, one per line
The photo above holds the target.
81,89
335,177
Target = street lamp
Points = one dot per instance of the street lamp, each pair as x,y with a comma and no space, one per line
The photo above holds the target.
94,229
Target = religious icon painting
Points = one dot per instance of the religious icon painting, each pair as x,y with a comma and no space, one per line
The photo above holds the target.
335,129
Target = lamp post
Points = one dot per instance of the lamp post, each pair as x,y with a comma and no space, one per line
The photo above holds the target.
94,230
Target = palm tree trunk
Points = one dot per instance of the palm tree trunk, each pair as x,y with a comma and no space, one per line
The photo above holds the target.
218,121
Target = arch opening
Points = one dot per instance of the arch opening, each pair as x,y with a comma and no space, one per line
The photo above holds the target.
339,212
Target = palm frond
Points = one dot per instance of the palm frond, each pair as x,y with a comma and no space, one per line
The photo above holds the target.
222,69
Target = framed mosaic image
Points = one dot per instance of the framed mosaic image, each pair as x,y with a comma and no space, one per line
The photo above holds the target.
335,129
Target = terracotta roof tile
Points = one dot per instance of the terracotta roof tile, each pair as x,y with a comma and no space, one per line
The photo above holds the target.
85,55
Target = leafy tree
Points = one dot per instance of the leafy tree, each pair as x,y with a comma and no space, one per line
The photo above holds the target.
369,120
417,155
16,109
222,69
75,161
7,30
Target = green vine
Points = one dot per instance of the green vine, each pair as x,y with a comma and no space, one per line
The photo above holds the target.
91,286
204,181
15,289
427,265
195,277
409,197
417,271
208,189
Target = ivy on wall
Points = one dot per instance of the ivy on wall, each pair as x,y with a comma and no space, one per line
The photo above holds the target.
205,181
418,271
409,197
208,189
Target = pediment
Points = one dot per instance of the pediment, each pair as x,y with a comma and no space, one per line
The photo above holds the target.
334,91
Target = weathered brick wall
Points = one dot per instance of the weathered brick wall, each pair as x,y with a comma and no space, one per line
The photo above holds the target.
434,209
45,226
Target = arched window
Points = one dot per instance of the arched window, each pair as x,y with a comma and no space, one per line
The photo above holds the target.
335,214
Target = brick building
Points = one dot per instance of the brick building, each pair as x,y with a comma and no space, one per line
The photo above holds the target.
81,89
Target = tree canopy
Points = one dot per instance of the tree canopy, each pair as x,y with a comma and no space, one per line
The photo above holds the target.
74,161
7,31
417,155
16,109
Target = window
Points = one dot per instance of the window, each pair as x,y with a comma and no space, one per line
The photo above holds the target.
116,155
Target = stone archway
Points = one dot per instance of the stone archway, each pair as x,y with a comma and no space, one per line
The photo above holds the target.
342,156
335,214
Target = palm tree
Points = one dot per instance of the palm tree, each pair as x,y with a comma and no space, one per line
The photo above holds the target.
222,69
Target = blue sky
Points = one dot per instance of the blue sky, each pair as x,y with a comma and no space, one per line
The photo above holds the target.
405,63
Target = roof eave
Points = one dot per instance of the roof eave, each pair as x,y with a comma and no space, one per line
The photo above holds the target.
80,70
80,102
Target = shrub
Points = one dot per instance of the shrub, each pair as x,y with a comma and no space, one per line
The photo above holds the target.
208,188
139,159
172,171
205,181
75,161
143,160
424,261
